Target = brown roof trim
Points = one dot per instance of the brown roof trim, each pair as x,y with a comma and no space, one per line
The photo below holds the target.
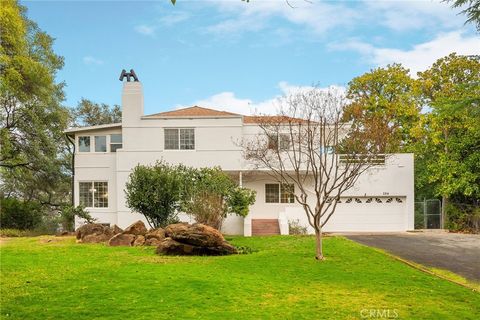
194,111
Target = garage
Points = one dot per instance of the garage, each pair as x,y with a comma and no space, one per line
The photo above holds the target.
369,214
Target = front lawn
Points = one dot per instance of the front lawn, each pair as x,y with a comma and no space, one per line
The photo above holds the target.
64,280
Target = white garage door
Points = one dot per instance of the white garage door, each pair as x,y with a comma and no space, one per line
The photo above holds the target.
369,214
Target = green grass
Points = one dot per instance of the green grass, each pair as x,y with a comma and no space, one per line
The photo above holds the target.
64,280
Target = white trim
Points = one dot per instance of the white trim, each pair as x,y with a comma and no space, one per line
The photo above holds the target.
102,126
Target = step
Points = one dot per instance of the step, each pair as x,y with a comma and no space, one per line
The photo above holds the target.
265,227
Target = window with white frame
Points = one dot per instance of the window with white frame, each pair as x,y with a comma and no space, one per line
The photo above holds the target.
276,193
93,194
100,143
179,139
115,142
84,144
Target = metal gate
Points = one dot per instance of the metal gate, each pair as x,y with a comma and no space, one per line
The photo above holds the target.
428,214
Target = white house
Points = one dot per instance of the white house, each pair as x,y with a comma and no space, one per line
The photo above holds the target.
382,200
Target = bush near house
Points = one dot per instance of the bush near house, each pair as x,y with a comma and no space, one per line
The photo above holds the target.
160,191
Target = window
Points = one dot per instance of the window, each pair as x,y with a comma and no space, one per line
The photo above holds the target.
278,141
287,193
179,139
326,149
94,194
84,144
274,193
100,144
115,142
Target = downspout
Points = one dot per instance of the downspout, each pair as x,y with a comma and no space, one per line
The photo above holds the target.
69,139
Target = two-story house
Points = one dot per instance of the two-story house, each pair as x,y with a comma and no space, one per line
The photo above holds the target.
382,200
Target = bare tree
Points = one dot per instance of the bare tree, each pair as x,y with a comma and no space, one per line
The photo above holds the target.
307,145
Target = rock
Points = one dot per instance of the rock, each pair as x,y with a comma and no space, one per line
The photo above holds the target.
196,234
137,228
158,234
139,241
152,242
93,233
122,239
170,246
89,228
96,238
116,229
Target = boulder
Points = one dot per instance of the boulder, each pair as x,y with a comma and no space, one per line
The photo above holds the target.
170,246
137,228
116,229
196,234
96,238
139,241
122,239
89,228
152,242
93,233
158,234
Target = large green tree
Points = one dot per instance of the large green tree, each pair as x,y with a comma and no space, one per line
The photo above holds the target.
448,144
384,105
88,113
32,162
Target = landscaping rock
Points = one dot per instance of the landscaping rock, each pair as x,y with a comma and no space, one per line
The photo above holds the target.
116,229
158,234
122,239
196,234
170,246
137,228
94,238
139,241
93,233
152,242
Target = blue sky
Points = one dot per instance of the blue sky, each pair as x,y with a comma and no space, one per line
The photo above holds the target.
239,56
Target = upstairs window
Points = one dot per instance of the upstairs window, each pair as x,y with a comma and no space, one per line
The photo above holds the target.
100,143
115,142
179,139
278,142
276,193
84,144
94,194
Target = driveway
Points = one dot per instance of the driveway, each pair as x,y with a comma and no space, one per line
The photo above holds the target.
459,253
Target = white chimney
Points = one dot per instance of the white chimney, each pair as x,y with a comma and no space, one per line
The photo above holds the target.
132,104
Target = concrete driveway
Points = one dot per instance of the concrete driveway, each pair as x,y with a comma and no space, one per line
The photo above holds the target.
459,253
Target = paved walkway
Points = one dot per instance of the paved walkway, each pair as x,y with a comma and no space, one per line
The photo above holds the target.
459,253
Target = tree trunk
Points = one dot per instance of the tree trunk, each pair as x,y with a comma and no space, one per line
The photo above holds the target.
318,242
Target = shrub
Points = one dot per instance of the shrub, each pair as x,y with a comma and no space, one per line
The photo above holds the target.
68,214
294,227
13,233
18,214
463,217
156,192
212,195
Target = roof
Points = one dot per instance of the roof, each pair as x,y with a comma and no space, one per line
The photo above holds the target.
194,111
101,126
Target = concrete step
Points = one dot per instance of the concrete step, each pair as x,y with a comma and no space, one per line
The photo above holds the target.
264,227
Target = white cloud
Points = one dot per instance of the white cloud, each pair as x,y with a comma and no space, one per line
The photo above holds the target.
414,14
89,60
420,56
317,16
228,101
174,18
145,30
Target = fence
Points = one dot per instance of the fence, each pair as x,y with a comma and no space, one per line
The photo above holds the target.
428,214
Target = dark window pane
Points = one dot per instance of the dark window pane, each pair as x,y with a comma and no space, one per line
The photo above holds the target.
272,193
84,144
